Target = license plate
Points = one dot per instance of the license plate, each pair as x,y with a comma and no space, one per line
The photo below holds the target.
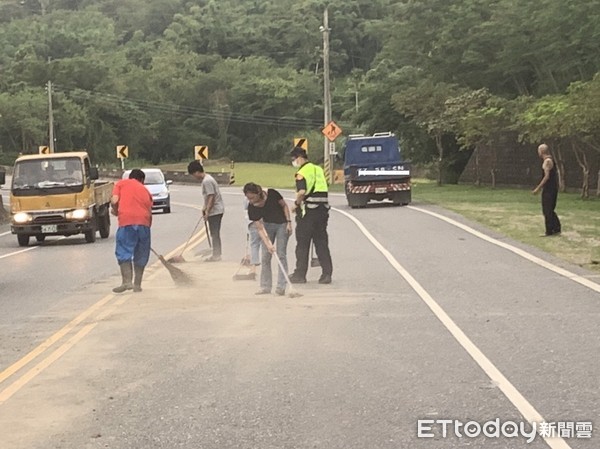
380,190
48,229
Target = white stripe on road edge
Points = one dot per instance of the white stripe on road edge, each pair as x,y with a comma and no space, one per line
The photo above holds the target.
519,252
19,252
31,248
513,395
4,233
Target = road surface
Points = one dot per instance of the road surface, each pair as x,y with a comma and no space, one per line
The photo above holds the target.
427,319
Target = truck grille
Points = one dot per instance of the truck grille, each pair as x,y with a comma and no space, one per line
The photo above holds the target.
48,219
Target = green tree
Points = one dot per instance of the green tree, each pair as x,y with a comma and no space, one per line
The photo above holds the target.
482,121
24,120
425,103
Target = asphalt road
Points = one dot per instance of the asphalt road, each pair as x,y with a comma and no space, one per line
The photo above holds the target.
425,320
36,282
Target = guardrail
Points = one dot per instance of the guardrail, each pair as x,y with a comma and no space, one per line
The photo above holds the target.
225,178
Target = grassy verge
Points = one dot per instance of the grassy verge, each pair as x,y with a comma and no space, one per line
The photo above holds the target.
269,175
517,214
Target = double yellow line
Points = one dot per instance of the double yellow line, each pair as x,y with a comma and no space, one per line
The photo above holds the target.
77,323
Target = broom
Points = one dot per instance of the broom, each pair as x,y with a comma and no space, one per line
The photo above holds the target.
178,276
179,258
245,262
268,244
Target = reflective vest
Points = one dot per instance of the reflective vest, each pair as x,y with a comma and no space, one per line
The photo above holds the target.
316,185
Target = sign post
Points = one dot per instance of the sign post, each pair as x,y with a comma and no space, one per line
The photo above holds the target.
332,151
332,132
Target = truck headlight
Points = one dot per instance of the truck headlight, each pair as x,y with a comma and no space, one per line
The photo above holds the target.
22,217
77,214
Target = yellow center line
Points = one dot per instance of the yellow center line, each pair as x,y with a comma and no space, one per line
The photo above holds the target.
43,347
59,352
37,369
53,339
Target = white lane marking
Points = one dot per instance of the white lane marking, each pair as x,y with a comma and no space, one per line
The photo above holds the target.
519,252
509,390
31,248
19,252
4,233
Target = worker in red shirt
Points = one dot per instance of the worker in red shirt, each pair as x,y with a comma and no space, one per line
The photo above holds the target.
132,204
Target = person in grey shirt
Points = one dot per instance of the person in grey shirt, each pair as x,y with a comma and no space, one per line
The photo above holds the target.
213,206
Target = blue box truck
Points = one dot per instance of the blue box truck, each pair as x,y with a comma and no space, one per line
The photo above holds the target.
374,170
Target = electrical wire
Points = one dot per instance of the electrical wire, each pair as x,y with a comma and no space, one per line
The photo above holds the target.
146,105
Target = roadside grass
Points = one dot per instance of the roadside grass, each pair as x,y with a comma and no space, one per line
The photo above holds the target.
517,213
278,176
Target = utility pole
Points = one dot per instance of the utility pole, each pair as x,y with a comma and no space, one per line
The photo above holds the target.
50,119
326,96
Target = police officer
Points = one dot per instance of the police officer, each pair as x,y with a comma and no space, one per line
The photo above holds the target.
312,215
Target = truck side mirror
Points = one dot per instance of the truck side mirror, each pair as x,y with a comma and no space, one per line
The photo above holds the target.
94,173
2,178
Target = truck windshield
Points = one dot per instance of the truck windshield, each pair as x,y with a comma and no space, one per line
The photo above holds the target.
51,173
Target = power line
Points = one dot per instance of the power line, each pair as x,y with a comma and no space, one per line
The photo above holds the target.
289,122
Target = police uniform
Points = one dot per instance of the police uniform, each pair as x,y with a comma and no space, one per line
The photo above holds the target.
311,222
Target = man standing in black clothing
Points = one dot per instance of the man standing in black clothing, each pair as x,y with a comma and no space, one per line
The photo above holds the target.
312,215
549,187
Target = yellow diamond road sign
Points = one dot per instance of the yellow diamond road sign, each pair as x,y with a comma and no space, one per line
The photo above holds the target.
201,152
122,151
301,142
44,150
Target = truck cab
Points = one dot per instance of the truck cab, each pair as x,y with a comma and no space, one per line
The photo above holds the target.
374,170
58,194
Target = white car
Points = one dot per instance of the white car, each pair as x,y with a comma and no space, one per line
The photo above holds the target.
158,186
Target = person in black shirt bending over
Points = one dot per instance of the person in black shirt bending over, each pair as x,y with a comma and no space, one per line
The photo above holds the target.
269,211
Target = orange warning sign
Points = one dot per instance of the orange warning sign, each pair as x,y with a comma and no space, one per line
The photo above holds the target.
331,131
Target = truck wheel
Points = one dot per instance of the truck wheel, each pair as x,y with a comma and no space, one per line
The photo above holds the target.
23,239
90,236
40,238
104,226
400,199
356,200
